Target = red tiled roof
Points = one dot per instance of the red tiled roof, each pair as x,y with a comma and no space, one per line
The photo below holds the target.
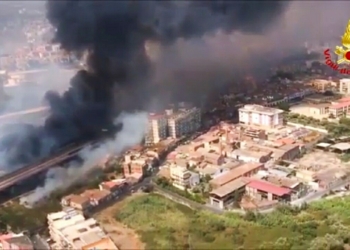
269,187
340,105
345,99
114,183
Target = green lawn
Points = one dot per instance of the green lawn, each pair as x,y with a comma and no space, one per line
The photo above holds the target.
163,224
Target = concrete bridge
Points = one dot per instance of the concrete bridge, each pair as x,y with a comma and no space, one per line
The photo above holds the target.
35,115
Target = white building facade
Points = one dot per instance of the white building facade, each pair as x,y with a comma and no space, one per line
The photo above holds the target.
157,129
261,116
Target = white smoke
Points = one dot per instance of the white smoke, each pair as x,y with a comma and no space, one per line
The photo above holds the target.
134,129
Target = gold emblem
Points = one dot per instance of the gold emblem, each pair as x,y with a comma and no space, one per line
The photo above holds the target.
343,52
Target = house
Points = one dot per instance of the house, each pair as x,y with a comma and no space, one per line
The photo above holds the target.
297,187
226,195
16,241
248,155
245,170
183,178
116,187
263,190
104,243
87,200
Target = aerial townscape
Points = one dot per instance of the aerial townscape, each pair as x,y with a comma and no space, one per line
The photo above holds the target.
151,125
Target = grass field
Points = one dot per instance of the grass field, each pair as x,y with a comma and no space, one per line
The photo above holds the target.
163,224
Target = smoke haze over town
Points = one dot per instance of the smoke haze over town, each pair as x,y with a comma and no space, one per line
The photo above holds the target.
201,46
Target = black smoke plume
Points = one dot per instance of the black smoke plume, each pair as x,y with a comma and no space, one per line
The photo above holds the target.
119,74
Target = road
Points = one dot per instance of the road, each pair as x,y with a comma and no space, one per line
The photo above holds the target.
318,195
307,199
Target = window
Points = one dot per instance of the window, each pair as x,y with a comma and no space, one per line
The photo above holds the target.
82,230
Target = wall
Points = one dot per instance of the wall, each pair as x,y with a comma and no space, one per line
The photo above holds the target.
308,127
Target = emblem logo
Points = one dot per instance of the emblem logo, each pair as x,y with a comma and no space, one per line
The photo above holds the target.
343,53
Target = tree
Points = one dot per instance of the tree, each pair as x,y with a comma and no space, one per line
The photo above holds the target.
283,243
331,116
207,178
344,121
328,242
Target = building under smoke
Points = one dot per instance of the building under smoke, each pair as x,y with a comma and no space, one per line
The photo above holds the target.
174,124
119,75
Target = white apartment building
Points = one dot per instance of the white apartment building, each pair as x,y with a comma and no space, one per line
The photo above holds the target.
260,115
60,220
180,176
344,86
184,122
70,230
157,129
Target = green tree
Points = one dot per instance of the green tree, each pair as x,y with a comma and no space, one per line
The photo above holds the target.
344,121
328,242
283,243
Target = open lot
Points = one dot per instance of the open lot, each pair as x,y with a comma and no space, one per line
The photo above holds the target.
162,224
124,237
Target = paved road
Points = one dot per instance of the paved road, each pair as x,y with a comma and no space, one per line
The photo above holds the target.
318,195
307,199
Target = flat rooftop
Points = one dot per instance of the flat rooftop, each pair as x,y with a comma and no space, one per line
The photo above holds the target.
342,146
260,109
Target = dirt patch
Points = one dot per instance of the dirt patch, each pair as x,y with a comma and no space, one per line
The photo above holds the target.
124,237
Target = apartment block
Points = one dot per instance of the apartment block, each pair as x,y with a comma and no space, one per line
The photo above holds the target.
60,220
340,109
260,116
180,177
134,168
70,230
157,129
183,122
344,86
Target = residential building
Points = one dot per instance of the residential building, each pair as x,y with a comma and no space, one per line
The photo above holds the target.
322,85
15,242
255,133
88,200
320,109
245,170
344,86
82,235
104,243
298,188
226,195
338,110
114,186
184,122
180,176
60,220
260,116
157,129
248,155
263,190
134,168
305,175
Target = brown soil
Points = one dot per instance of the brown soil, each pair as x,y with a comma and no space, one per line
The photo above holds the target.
124,237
